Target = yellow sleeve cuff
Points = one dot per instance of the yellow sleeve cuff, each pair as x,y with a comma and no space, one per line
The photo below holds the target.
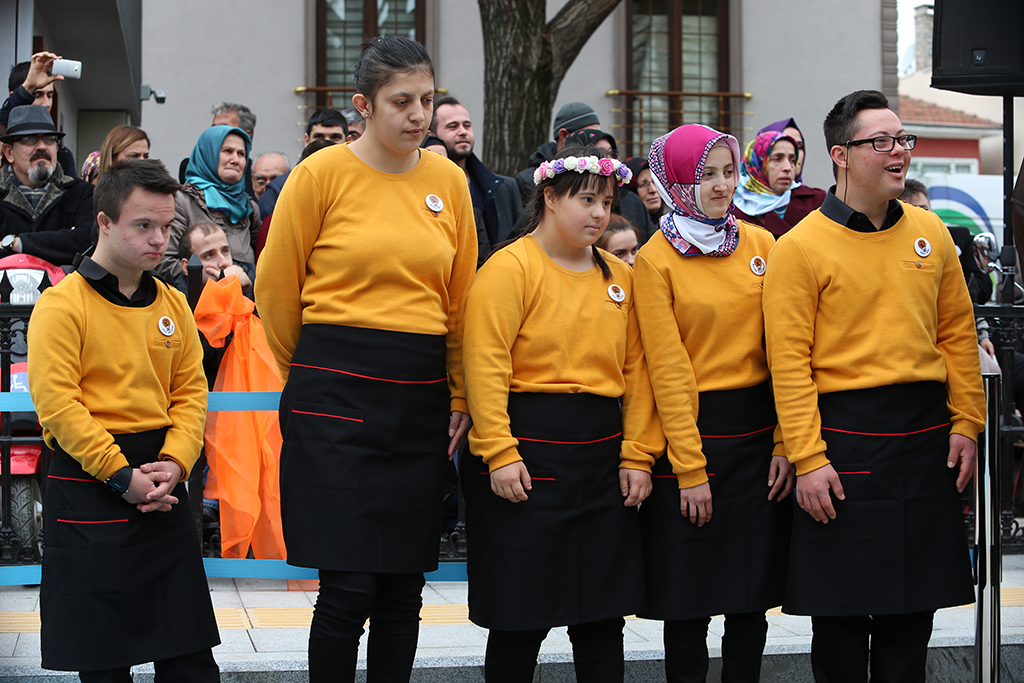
692,478
810,463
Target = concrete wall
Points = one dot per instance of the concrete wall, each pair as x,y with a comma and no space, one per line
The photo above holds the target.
201,53
799,62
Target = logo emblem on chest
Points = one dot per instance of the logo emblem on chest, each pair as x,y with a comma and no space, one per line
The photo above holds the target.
166,326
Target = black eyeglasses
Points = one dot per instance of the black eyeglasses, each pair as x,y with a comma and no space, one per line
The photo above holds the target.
886,143
33,140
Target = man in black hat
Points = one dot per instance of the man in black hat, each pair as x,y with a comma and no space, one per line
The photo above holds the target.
43,211
31,83
570,118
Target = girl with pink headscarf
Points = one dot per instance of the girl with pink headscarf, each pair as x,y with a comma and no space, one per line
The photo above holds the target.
698,302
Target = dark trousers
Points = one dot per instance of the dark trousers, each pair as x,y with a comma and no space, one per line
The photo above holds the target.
346,600
894,647
197,667
686,649
596,653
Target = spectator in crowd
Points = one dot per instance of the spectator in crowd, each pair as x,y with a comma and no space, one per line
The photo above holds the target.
209,242
91,168
621,239
643,185
366,429
237,116
629,204
569,119
267,167
789,127
123,142
356,124
710,516
496,201
769,194
261,239
324,124
552,347
117,381
30,83
43,212
875,368
214,193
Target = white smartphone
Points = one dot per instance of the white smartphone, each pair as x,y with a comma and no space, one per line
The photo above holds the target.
68,68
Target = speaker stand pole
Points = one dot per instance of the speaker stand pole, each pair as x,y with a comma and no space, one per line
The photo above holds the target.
1008,255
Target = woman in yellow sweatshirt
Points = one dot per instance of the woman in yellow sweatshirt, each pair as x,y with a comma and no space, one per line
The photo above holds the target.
698,302
565,431
362,288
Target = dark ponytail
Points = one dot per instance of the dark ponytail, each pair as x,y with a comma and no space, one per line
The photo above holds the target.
563,184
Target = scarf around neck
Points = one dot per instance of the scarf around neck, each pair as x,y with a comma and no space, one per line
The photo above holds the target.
232,199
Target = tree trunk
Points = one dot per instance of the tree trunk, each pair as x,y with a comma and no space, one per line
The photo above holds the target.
525,60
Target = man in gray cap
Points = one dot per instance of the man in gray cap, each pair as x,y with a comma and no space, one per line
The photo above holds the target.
571,118
43,212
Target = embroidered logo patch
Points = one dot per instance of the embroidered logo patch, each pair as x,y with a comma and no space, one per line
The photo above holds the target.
166,326
617,294
923,247
434,203
758,266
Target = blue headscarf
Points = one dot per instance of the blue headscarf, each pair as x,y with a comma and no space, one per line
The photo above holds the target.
202,172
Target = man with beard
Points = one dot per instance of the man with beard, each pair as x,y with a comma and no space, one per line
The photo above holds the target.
43,211
31,83
496,200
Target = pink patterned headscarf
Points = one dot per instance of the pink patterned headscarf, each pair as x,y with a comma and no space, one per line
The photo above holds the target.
677,166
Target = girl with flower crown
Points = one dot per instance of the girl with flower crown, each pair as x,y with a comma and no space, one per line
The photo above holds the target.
565,429
698,301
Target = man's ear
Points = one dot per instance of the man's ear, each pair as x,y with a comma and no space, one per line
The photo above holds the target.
8,152
184,265
840,155
103,222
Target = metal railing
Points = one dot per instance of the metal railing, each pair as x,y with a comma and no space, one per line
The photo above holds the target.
652,113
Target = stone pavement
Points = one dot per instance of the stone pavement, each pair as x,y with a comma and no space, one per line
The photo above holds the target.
264,625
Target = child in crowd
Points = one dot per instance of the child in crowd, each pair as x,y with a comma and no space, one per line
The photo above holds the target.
565,429
698,301
621,239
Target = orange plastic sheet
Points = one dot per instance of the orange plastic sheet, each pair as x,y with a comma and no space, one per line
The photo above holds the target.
243,448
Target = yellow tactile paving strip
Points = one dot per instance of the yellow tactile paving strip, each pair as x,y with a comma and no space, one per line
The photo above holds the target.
232,619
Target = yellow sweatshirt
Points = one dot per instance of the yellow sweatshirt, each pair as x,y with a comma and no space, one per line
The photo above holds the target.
700,318
350,245
852,310
534,326
96,369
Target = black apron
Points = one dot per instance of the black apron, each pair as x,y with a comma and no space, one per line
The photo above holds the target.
736,563
119,587
898,544
571,553
364,417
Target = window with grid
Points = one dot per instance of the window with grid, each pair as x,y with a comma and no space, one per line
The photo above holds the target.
675,46
344,25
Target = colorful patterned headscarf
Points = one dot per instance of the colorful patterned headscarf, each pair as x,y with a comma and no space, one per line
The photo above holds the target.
91,167
781,126
755,160
677,166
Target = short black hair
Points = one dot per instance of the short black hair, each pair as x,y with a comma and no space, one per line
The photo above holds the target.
314,146
185,243
328,118
447,99
114,186
841,121
19,72
912,187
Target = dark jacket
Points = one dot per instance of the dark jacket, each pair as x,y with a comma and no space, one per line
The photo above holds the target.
630,206
802,201
979,285
61,226
268,200
499,214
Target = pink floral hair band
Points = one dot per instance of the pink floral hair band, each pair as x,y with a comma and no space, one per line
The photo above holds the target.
591,164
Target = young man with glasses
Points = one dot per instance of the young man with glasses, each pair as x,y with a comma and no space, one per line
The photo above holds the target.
43,211
871,344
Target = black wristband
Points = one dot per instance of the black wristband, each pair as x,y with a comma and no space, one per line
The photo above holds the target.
120,480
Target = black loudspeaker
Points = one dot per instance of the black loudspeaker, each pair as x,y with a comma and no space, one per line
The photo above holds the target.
978,47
